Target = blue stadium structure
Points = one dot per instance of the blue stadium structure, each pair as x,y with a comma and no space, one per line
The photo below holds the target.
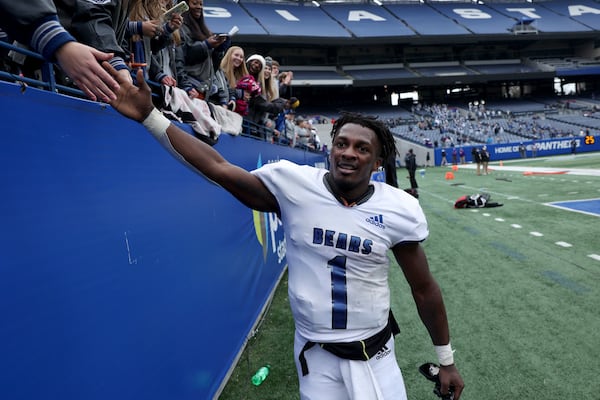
433,47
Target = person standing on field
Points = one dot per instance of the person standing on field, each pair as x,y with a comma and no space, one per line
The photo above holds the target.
476,157
410,160
484,155
339,227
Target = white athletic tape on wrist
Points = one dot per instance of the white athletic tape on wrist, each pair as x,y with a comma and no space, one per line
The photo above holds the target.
156,123
445,354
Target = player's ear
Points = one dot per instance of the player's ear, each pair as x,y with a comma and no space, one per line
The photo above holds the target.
377,164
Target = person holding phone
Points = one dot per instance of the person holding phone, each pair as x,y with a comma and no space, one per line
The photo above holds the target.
202,52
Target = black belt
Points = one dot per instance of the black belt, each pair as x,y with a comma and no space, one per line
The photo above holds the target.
359,350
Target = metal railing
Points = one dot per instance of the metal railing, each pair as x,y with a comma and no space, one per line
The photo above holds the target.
48,82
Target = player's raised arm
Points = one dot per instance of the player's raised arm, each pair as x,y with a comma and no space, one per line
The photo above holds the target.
136,103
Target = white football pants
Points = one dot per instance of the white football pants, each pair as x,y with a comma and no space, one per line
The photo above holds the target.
334,378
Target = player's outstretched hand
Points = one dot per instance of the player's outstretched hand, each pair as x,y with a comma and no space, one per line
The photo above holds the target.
80,63
132,101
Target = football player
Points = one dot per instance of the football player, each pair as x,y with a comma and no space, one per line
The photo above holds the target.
339,227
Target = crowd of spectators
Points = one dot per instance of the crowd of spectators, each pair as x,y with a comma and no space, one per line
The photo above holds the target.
177,51
442,126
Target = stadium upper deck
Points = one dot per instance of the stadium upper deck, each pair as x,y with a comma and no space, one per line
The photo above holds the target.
298,21
373,43
402,22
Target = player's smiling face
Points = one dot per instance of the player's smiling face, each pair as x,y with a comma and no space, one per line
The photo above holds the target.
354,156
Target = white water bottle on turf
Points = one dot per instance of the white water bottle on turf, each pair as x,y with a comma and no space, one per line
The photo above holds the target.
261,375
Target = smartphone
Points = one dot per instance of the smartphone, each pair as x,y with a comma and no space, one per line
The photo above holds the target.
231,32
179,8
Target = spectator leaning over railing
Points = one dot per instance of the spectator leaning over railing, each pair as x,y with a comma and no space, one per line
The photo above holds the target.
202,52
268,90
233,68
100,24
303,133
148,33
270,119
285,83
275,75
233,65
166,66
289,132
281,120
36,24
246,89
258,105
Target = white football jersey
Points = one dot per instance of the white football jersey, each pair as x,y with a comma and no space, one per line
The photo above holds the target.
337,255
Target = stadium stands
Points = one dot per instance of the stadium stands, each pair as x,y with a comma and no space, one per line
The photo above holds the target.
366,52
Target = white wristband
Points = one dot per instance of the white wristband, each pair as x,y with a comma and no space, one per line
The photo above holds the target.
156,123
445,354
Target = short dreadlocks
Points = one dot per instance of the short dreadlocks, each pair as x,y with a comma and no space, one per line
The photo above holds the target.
386,139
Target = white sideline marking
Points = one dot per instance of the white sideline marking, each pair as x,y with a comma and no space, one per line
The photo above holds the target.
499,219
486,214
517,226
563,244
574,171
538,234
594,256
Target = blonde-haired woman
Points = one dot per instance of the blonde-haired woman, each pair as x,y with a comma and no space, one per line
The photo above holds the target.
231,70
233,65
268,86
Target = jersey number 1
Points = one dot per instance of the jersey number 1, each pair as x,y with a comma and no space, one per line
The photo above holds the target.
339,293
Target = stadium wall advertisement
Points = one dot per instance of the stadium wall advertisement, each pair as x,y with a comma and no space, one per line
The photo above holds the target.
123,274
548,147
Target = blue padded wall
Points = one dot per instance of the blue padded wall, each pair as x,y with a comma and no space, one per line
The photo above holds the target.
123,274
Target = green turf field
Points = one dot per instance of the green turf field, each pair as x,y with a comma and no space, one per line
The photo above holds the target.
521,285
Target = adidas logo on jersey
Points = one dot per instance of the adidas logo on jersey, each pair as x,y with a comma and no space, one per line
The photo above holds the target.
383,352
376,220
